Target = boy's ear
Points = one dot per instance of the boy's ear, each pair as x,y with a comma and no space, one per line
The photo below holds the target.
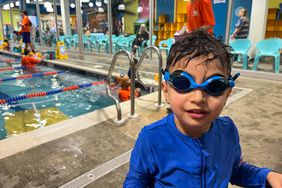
165,90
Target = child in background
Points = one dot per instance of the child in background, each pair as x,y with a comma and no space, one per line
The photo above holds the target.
138,84
6,46
194,146
32,59
124,92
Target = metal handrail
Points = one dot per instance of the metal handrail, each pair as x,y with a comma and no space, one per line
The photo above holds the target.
132,83
160,66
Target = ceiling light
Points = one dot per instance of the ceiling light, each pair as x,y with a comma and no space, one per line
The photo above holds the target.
47,4
98,3
100,9
17,3
49,9
27,1
106,1
91,4
12,5
72,5
139,9
121,7
6,7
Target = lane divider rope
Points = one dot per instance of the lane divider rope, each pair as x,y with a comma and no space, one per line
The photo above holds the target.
50,92
14,68
31,76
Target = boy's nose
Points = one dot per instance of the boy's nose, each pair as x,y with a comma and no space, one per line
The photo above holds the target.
198,96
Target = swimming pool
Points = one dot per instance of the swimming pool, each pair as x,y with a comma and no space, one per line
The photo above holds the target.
29,114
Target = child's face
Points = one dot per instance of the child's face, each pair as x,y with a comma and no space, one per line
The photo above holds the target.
196,109
240,12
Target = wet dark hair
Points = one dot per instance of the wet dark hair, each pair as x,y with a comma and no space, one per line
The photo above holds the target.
24,12
200,43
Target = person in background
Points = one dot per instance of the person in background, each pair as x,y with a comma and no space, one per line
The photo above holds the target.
47,30
32,59
53,29
142,86
118,29
25,31
6,46
242,27
193,146
87,33
141,36
124,91
7,32
200,15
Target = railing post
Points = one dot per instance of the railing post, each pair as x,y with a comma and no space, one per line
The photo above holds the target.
159,104
132,85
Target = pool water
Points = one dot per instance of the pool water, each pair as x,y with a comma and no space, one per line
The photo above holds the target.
29,114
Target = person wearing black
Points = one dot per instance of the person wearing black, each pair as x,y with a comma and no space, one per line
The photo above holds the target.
138,84
142,35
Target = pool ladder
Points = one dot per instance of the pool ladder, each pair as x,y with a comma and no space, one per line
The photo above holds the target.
133,67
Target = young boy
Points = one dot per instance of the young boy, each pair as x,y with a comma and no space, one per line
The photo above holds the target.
32,60
193,147
124,92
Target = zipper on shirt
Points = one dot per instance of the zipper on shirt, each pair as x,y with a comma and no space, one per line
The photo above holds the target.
204,154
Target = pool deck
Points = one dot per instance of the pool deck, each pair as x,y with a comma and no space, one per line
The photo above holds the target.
92,151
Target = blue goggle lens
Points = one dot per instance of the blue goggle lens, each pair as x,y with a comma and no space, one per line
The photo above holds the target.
216,87
183,82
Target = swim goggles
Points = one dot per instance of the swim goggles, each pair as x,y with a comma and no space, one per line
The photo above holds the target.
183,82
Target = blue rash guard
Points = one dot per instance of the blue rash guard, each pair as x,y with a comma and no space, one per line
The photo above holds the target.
164,157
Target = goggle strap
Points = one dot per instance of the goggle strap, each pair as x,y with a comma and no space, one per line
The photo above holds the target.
163,70
166,74
231,80
235,76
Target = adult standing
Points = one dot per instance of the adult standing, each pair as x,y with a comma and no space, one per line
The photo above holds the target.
25,31
200,15
242,27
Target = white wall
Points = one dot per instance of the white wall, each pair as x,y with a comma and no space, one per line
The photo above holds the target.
65,6
258,22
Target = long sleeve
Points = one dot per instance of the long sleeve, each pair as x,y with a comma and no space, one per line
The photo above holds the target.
141,165
247,175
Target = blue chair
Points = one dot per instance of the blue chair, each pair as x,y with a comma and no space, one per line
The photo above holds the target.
115,42
125,43
103,43
73,40
269,47
166,45
65,39
241,47
86,43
